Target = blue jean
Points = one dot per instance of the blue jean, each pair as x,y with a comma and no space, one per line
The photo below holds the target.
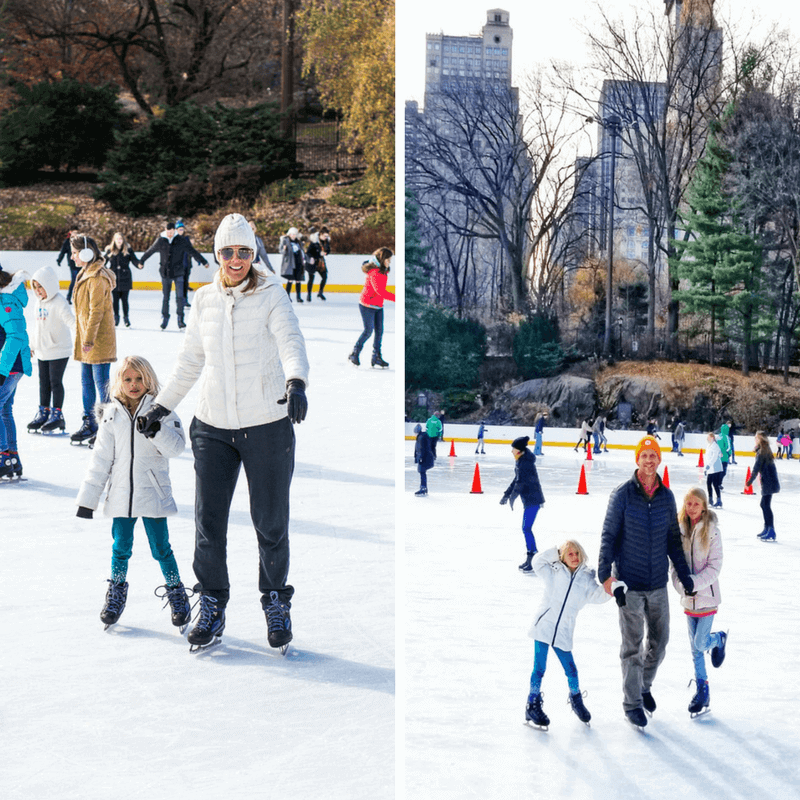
372,318
8,430
701,639
157,535
540,664
94,382
537,450
528,518
180,294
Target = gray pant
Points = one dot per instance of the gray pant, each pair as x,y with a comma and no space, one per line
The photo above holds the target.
640,658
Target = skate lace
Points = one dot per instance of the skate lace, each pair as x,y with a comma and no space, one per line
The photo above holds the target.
276,611
174,596
116,602
208,607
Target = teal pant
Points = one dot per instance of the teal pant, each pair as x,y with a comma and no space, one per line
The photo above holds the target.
157,535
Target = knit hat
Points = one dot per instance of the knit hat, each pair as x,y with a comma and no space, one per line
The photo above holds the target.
234,230
418,428
292,232
648,443
179,224
521,443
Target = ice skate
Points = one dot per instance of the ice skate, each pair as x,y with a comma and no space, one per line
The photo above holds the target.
637,718
649,703
768,535
35,425
377,361
718,652
279,623
581,712
526,565
55,422
210,624
534,713
10,466
86,433
178,601
354,358
701,701
421,493
116,596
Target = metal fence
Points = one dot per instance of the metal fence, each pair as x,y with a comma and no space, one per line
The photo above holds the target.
320,148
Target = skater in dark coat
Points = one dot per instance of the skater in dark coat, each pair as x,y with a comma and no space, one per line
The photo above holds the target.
640,537
765,467
74,269
423,458
538,432
293,261
118,257
527,487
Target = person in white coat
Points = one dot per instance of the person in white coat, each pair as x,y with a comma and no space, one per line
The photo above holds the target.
243,344
51,338
569,584
713,470
702,546
135,465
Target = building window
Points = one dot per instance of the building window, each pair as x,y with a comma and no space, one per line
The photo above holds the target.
433,62
430,46
631,228
498,18
436,46
505,51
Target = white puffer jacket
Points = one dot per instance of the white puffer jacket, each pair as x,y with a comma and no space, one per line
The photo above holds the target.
136,468
565,594
52,333
243,347
705,566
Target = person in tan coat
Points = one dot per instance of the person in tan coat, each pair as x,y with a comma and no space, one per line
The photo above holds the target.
95,335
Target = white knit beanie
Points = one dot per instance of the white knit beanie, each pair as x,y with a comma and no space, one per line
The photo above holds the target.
233,231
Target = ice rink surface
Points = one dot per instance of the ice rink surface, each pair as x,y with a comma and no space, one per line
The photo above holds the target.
129,713
469,657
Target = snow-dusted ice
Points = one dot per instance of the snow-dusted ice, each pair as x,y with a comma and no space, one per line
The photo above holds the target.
129,713
468,655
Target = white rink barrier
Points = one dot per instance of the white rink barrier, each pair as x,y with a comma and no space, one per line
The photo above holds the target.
568,437
344,271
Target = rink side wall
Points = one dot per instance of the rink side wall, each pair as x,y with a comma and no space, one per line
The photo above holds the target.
344,271
567,437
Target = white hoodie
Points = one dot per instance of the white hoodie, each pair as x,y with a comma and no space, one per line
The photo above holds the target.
53,331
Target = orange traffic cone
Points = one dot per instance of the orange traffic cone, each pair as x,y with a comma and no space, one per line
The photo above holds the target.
452,448
582,482
589,452
700,462
476,482
748,489
665,479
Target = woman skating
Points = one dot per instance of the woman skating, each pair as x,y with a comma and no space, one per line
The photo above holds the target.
371,305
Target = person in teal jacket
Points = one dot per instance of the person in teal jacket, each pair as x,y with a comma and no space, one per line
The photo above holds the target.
724,442
13,299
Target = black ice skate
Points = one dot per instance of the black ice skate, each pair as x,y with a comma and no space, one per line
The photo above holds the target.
581,712
35,425
534,713
377,361
354,358
86,433
421,493
210,624
55,422
526,565
178,601
718,652
279,623
116,596
637,718
10,466
648,702
701,701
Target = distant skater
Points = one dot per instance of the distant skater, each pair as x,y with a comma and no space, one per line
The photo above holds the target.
713,470
538,433
527,487
370,305
481,431
423,458
765,467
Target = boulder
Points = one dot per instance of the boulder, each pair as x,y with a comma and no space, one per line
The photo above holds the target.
568,398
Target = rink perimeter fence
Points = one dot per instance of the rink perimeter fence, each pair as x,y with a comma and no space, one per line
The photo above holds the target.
568,437
344,271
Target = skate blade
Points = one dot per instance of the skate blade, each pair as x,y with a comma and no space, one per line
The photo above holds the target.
182,628
696,714
109,625
531,724
13,479
201,648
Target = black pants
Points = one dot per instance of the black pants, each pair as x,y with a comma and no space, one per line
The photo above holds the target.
713,482
51,382
267,453
323,279
166,290
298,286
73,273
766,510
116,297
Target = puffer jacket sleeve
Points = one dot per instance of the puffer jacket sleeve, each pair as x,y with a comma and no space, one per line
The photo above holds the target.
612,530
170,441
593,591
284,326
675,547
709,574
545,561
99,469
188,366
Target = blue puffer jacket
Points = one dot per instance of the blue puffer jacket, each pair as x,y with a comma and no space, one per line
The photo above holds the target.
526,482
765,466
640,536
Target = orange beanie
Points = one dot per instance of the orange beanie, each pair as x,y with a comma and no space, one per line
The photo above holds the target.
648,443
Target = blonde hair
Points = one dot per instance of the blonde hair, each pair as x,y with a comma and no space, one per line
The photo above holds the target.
707,518
112,248
764,449
581,552
140,365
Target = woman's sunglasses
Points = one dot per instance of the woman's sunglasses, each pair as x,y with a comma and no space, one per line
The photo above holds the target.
227,253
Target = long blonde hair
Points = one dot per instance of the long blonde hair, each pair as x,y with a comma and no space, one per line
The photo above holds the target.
111,247
581,552
140,365
707,519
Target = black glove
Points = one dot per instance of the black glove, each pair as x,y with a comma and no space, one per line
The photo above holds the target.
295,397
85,513
149,424
688,586
619,596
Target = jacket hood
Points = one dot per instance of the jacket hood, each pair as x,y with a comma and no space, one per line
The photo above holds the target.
97,269
47,278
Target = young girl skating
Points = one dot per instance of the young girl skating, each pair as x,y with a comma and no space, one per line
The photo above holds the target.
702,546
51,343
136,467
569,585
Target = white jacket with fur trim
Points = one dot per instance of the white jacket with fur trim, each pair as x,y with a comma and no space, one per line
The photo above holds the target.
135,468
705,565
243,347
565,594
